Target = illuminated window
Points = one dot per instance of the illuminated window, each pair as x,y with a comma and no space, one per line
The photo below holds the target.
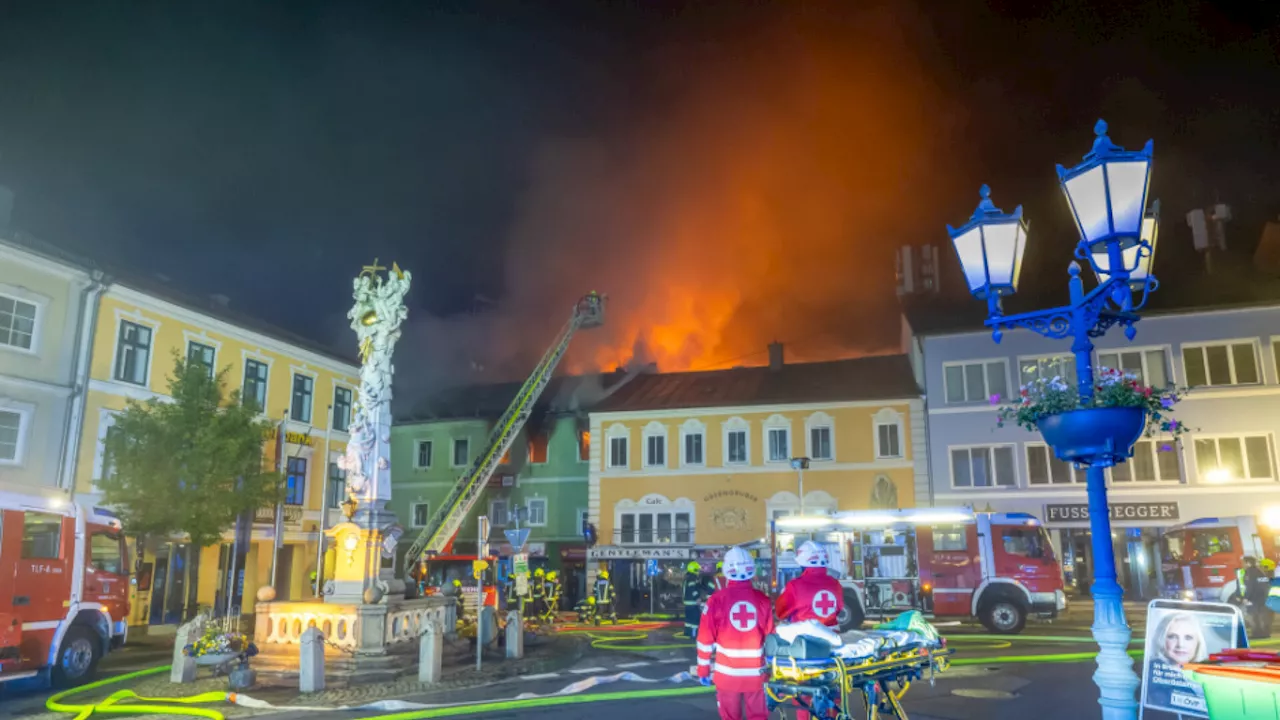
1226,459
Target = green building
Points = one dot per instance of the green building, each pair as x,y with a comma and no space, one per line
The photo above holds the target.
542,479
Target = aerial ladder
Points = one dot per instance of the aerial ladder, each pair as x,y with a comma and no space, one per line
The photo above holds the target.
440,530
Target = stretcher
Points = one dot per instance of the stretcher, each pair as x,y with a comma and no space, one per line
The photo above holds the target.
815,670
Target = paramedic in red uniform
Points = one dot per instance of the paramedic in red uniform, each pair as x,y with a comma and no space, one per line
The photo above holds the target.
815,595
737,621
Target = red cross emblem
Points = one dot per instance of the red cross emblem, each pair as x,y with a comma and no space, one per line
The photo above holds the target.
742,616
824,603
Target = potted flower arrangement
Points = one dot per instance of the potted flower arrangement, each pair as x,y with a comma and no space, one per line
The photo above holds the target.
1100,431
220,647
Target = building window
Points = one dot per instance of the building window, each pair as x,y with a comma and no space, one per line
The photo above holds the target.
337,486
820,443
779,445
41,536
300,409
974,382
693,448
584,445
424,454
108,459
17,323
618,447
648,528
1047,367
888,444
983,467
1223,364
10,436
421,514
461,452
736,449
538,443
1044,468
295,482
133,353
1150,366
537,508
498,513
255,385
1152,461
342,408
655,445
1225,459
201,354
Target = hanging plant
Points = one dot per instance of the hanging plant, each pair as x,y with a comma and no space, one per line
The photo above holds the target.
1045,397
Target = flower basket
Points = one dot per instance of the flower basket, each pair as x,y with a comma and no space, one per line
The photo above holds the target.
216,659
1098,436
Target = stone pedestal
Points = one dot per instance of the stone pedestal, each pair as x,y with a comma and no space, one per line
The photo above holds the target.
358,576
366,643
431,654
515,636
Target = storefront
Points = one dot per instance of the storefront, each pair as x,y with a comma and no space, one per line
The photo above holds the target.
645,578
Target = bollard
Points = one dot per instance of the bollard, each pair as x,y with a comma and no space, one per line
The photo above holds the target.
311,661
515,636
430,653
183,669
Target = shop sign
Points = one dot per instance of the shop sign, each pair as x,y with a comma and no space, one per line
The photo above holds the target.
617,552
292,438
730,493
573,554
1079,512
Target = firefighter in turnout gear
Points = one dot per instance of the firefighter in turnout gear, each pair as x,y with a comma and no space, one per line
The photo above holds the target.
733,631
604,597
537,592
693,591
552,600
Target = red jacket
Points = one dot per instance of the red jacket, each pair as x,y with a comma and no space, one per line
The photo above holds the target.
815,595
737,620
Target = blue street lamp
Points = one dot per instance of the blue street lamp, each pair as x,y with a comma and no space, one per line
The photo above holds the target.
1107,193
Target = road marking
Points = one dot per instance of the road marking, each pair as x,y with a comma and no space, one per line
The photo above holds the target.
671,660
635,664
543,676
584,671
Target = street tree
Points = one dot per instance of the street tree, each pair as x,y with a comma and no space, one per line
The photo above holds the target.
190,463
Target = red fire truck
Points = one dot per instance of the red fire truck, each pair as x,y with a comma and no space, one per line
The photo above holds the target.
64,587
1202,556
998,567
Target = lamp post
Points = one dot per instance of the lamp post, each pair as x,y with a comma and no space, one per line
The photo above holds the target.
800,464
1107,194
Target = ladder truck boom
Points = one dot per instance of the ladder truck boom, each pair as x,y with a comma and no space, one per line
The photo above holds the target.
444,524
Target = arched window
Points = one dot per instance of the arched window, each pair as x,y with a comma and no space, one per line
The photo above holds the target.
693,443
783,503
655,445
654,520
737,441
889,435
617,437
777,439
820,437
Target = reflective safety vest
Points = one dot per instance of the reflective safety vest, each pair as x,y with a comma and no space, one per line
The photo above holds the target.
692,590
733,629
536,587
604,591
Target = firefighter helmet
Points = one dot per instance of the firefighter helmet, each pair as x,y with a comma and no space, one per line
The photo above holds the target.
539,572
738,564
1267,564
812,555
552,576
692,567
604,574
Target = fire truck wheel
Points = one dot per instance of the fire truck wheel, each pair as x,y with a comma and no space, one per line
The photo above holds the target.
78,657
1004,616
850,616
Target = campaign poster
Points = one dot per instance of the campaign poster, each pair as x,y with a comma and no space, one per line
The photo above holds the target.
1179,633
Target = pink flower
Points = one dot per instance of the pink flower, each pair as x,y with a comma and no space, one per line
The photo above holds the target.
995,399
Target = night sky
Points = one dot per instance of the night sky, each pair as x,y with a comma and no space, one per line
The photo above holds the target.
528,152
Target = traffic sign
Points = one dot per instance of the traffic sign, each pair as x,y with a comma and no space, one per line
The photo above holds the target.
518,538
651,568
478,567
520,564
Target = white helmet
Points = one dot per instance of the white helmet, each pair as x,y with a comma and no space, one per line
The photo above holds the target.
812,555
738,564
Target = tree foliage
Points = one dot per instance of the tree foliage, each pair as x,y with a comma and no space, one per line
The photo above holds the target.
190,463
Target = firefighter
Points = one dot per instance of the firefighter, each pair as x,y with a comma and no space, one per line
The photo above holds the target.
553,596
537,591
1256,586
815,595
737,622
719,582
693,591
604,597
513,595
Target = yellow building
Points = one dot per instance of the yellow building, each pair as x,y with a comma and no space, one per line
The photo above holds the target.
138,328
685,464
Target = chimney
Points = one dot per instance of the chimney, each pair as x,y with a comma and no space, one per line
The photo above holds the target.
775,356
6,208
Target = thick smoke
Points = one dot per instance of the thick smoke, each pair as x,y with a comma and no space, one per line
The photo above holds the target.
762,202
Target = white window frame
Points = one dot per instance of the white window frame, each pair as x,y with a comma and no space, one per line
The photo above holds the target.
1155,452
1231,361
202,338
245,357
41,304
1025,360
782,503
528,504
889,416
294,371
417,453
413,513
654,429
26,413
732,425
1190,442
816,421
1013,448
493,512
1078,475
453,451
692,426
617,431
984,362
584,517
777,422
135,317
655,505
351,408
106,420
1142,350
